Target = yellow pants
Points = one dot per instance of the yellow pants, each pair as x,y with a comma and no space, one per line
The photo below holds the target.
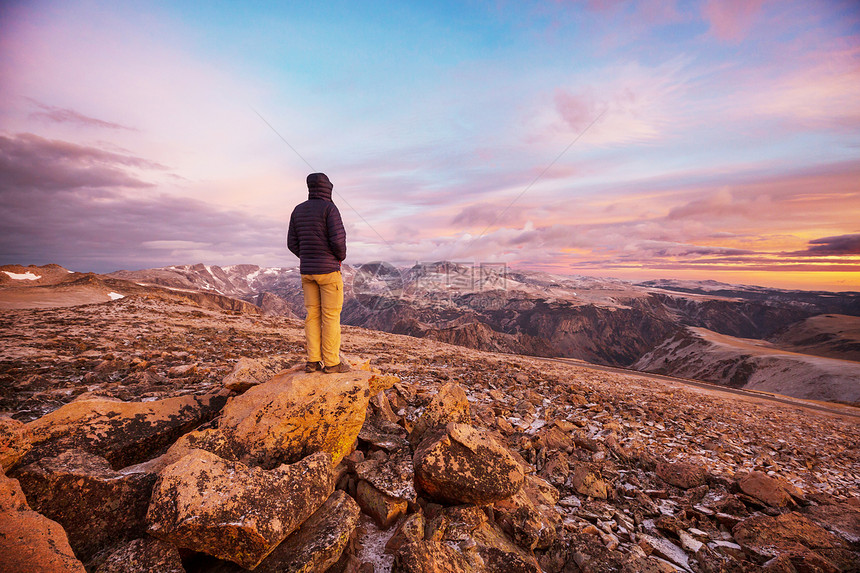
323,301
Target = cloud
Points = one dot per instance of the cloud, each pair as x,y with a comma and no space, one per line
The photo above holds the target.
833,246
639,103
821,93
488,214
104,233
174,245
662,249
68,203
64,115
730,20
722,204
33,162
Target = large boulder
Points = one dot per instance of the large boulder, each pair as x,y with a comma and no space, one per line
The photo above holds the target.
381,427
316,547
685,475
143,555
15,440
95,505
296,414
586,479
212,440
394,477
464,465
529,516
231,511
840,518
410,530
319,542
383,508
246,373
769,490
448,405
434,557
124,433
469,528
794,535
30,541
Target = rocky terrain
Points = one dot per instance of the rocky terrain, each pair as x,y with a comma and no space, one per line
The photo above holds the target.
828,335
701,354
700,329
162,433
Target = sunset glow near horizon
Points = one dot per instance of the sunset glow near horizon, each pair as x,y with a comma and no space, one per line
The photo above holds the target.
639,140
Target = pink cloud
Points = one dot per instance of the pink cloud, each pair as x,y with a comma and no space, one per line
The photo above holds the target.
487,214
65,115
639,103
756,222
731,20
820,94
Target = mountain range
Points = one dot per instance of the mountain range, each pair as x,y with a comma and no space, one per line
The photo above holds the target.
799,343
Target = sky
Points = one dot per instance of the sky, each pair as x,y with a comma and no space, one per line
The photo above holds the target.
707,140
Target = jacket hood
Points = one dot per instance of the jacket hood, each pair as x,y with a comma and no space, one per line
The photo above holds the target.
319,187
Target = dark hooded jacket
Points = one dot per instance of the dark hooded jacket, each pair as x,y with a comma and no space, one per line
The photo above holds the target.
316,232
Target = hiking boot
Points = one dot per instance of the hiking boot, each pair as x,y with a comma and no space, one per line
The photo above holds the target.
313,366
340,367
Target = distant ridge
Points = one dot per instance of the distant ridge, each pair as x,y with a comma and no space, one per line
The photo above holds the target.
676,327
604,321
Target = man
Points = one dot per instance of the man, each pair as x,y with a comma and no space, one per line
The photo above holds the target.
318,238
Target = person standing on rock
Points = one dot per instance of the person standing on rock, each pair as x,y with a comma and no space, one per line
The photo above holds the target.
317,237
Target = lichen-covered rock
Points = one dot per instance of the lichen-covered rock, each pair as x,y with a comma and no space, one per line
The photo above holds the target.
14,442
464,465
554,437
380,382
395,477
124,433
449,405
469,528
142,556
246,373
587,480
685,475
381,428
95,505
410,530
234,512
211,440
433,557
794,535
529,516
556,468
296,414
383,508
772,491
319,542
840,518
29,541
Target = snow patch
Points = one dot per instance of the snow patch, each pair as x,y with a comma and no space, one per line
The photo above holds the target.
115,295
28,276
372,547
